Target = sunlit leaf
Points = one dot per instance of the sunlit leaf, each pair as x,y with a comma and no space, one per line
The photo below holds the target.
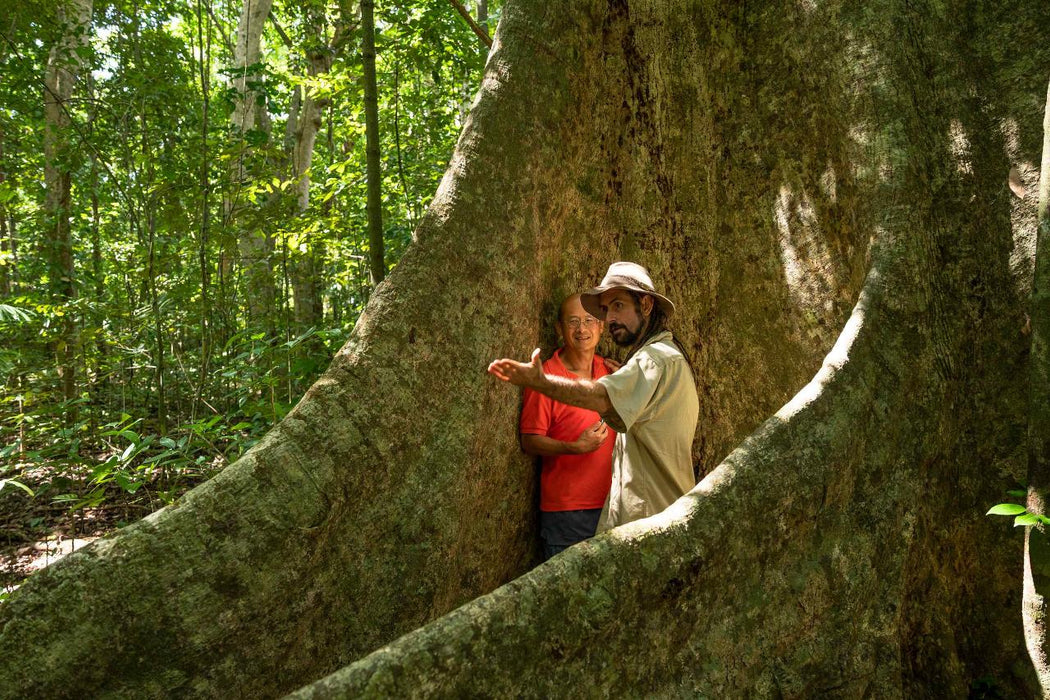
1006,509
16,484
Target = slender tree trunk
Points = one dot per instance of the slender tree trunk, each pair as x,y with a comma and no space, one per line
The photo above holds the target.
483,19
376,262
839,550
61,75
254,244
97,392
5,239
307,273
160,342
148,238
1037,545
203,65
410,203
5,243
99,278
12,247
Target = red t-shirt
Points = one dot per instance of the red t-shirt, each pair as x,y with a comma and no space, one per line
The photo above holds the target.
568,482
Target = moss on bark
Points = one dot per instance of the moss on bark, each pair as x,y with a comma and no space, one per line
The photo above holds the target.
747,154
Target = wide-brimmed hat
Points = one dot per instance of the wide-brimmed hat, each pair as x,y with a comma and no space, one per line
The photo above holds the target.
624,275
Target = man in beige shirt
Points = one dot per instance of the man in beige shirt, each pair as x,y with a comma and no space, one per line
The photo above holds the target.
650,401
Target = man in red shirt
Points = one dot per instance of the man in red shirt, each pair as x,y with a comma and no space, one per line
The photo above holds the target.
573,442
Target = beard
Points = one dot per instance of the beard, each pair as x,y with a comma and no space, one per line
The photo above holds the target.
622,335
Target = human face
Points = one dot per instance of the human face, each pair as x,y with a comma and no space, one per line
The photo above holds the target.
578,329
624,315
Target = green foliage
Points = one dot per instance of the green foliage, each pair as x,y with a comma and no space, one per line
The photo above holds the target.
13,313
175,376
1022,517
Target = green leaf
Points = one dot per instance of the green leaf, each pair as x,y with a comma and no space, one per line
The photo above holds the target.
1017,493
127,452
16,484
129,485
1007,509
14,313
1026,519
156,458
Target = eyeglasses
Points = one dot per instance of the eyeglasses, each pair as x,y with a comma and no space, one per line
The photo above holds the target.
575,323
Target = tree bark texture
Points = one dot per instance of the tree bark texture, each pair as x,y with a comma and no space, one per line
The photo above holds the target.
374,204
775,166
1037,547
63,66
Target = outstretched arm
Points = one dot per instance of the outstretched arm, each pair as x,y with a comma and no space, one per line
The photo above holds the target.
584,393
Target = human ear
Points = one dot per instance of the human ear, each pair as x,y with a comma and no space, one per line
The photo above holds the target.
647,305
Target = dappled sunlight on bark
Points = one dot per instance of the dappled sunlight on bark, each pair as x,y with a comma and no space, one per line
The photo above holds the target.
1023,180
807,263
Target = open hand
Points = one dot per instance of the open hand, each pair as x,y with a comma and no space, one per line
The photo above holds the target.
592,438
519,373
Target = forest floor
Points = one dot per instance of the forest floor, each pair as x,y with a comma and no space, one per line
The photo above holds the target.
39,530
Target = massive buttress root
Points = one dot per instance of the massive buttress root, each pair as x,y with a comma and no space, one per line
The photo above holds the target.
747,154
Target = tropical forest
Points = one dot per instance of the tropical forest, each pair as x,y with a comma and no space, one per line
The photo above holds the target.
317,315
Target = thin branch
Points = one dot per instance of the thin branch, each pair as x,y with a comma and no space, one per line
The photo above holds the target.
280,30
482,34
222,34
343,34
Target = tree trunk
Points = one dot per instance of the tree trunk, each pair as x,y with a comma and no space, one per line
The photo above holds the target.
63,65
411,204
840,549
5,240
374,205
99,378
12,237
306,274
5,243
1037,547
204,263
254,244
483,18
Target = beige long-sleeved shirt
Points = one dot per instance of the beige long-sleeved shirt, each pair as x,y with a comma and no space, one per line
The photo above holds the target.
654,394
